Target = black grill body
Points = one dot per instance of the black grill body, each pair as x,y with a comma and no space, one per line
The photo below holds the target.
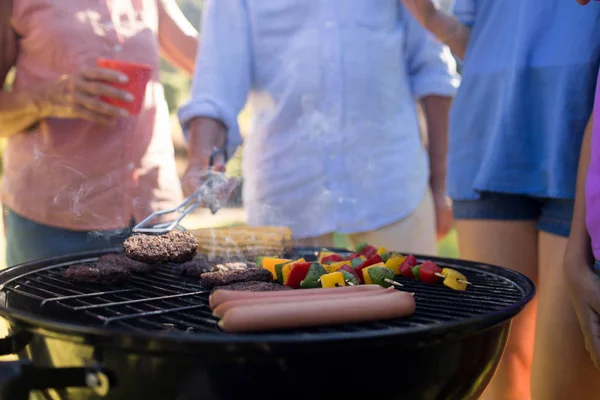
154,337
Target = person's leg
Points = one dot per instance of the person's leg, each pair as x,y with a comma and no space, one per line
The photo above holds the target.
501,230
27,240
412,234
562,368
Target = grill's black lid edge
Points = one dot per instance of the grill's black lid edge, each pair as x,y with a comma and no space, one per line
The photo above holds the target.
147,341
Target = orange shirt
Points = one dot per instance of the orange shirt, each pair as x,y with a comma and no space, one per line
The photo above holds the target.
75,174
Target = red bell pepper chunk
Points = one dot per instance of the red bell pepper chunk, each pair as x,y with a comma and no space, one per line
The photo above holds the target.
350,270
406,266
371,261
368,252
297,274
351,257
331,258
428,272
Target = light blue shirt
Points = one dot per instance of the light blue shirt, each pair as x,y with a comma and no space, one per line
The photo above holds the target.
334,144
526,94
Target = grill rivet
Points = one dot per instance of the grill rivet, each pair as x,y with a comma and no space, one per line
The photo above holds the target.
91,380
98,382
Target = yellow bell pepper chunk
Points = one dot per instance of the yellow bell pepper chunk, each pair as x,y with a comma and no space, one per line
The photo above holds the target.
335,266
365,272
323,254
287,268
269,263
333,279
381,250
394,263
454,279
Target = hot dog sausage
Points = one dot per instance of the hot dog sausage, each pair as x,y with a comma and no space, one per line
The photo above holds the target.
264,317
220,310
221,296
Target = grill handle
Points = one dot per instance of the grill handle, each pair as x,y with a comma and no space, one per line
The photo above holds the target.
13,344
18,378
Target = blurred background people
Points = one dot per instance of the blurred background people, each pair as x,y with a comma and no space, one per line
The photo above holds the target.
77,171
334,142
516,128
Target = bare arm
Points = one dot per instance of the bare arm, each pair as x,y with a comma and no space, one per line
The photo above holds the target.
18,110
450,31
579,250
204,135
74,96
444,26
436,110
177,37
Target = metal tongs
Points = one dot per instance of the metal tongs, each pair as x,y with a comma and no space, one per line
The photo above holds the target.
204,194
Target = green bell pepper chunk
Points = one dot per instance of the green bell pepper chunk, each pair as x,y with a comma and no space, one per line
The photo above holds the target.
348,277
385,256
416,271
311,280
279,271
379,275
361,246
356,262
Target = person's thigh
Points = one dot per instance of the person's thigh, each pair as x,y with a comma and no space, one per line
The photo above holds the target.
27,240
562,368
501,230
413,234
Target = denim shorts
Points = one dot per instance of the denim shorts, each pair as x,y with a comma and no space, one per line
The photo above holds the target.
27,240
551,215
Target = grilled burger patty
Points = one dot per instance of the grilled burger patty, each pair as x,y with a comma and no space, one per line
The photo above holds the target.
106,274
221,278
253,286
202,264
121,260
175,246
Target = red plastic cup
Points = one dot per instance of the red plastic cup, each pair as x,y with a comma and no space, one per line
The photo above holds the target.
138,74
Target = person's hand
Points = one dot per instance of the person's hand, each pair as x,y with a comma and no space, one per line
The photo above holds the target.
583,2
205,136
584,289
423,10
443,214
77,96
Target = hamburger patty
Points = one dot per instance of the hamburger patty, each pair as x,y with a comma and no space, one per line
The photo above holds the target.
202,264
121,260
175,246
253,286
105,274
221,278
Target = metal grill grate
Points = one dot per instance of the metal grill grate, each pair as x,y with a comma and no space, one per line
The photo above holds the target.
164,301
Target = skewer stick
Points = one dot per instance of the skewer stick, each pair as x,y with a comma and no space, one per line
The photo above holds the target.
392,282
458,280
349,283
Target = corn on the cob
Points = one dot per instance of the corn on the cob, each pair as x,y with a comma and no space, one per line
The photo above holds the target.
243,241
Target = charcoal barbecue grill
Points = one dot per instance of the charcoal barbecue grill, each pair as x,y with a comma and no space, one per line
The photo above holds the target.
154,337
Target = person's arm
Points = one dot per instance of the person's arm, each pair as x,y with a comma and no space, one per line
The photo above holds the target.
448,29
221,83
579,250
435,111
17,110
177,37
434,81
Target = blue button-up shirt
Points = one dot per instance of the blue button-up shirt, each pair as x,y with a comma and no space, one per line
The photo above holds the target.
334,144
525,98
